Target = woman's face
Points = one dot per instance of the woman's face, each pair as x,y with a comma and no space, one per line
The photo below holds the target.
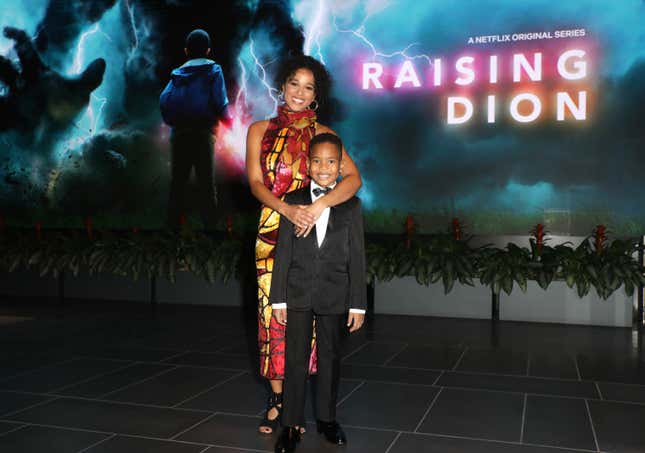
299,90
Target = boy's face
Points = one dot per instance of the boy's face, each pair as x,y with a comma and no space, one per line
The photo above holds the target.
324,164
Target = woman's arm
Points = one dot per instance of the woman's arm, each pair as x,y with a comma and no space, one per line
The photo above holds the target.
296,214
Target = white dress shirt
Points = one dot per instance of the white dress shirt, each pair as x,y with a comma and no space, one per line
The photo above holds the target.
321,230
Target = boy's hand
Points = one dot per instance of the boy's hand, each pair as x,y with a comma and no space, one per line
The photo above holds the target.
280,315
355,321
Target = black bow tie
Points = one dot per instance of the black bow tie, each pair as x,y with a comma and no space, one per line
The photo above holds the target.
318,191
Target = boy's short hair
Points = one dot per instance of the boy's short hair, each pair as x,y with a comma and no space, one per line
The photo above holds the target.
197,43
327,137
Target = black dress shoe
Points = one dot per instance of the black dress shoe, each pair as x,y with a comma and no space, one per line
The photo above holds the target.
289,438
332,431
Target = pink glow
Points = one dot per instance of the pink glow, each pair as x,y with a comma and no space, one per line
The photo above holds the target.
230,143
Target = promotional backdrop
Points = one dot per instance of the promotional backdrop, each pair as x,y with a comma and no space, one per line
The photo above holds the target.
501,113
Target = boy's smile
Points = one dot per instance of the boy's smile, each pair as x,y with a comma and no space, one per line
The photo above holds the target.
324,164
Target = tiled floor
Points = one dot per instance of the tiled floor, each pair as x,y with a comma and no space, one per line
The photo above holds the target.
101,378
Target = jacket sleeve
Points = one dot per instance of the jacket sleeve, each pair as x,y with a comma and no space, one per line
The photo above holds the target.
357,268
219,99
164,105
282,262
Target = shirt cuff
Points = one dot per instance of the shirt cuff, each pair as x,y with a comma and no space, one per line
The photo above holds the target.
352,310
279,306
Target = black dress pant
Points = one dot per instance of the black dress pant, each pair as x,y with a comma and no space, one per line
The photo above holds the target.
192,148
329,333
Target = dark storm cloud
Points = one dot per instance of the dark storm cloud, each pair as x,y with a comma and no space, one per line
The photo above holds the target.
64,20
411,159
113,170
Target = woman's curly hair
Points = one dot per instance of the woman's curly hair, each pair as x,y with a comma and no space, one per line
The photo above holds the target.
322,80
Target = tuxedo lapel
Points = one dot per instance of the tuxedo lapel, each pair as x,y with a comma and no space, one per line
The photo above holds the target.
330,226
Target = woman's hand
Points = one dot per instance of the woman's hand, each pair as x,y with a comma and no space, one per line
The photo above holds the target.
314,210
299,216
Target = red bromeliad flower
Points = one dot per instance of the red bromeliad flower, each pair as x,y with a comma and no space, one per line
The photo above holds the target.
456,229
39,230
600,237
182,220
88,227
409,230
135,230
538,232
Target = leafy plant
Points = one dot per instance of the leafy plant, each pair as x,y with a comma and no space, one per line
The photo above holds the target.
602,264
501,269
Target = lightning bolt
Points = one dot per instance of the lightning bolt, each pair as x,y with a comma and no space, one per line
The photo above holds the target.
241,92
314,31
359,33
263,77
133,25
94,121
77,66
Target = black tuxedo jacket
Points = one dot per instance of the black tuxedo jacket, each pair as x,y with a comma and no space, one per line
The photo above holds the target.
329,279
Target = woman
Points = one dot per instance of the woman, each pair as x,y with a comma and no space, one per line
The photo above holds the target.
276,153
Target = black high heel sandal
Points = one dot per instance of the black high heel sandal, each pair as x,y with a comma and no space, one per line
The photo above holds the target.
274,402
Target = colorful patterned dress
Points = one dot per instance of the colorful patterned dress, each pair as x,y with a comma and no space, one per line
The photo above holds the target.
283,158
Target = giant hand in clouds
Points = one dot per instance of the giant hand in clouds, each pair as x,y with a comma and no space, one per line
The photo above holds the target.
37,97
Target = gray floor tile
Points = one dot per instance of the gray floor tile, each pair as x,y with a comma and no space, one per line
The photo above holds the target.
388,406
396,352
50,378
216,360
416,443
500,361
133,354
560,422
50,440
243,395
6,427
27,360
231,431
389,374
240,346
358,441
552,364
111,417
619,426
582,389
476,413
221,343
172,387
173,341
10,401
123,444
622,392
114,381
433,357
241,432
611,368
374,354
228,450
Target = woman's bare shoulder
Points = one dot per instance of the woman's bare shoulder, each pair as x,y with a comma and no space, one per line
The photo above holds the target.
258,127
322,129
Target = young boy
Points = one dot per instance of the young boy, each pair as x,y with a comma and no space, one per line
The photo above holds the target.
321,275
192,103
